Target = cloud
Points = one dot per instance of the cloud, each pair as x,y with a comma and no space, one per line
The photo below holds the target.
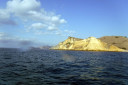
8,22
26,43
5,18
37,26
35,18
10,41
14,43
2,35
4,15
46,20
21,7
30,11
69,31
65,32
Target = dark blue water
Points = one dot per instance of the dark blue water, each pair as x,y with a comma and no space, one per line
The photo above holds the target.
52,67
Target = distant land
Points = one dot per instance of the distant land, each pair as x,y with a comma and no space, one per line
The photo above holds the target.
106,43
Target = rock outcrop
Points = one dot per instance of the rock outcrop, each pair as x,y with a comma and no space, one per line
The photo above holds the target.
67,44
90,44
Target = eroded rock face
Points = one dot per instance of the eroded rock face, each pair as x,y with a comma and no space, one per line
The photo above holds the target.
67,44
90,44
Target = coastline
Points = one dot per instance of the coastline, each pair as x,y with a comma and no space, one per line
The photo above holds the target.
88,50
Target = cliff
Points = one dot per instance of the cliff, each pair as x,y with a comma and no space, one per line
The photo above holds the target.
90,44
67,44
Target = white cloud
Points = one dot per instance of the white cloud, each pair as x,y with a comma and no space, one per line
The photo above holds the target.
50,20
5,17
31,10
62,21
69,31
37,20
37,26
2,35
37,17
21,7
40,28
52,27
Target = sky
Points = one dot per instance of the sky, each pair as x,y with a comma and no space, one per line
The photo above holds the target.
32,23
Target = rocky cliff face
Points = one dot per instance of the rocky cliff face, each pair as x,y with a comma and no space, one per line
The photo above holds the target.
67,44
90,44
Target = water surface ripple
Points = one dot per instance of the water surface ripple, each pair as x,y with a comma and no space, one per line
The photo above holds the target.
53,67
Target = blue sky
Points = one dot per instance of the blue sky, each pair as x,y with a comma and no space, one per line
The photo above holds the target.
25,23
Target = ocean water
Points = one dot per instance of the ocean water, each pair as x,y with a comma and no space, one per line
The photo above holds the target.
54,67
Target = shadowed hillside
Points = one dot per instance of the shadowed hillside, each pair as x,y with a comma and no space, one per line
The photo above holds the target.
119,41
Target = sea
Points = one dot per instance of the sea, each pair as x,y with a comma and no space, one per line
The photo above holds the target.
59,67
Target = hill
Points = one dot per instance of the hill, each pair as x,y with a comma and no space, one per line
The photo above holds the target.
119,41
89,44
